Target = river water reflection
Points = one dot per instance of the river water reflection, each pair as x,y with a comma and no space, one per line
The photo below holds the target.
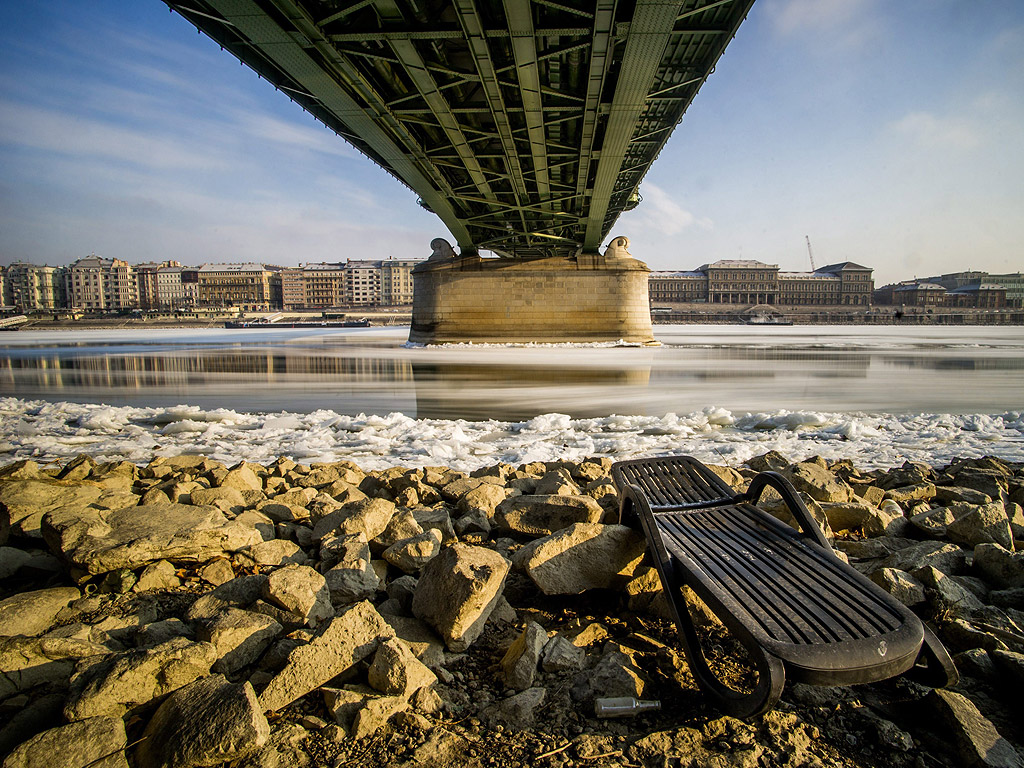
352,371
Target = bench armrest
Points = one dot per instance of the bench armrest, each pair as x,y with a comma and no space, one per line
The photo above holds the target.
807,523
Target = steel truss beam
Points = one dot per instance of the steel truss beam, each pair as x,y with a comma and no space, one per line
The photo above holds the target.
525,125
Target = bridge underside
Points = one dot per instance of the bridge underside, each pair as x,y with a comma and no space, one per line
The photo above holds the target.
525,125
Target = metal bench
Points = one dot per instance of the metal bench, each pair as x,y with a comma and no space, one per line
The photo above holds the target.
798,610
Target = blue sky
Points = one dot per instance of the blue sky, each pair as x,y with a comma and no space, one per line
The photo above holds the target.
891,133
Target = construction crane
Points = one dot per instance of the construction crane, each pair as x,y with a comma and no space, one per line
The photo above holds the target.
810,253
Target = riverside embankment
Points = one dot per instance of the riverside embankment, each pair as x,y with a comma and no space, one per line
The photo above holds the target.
183,612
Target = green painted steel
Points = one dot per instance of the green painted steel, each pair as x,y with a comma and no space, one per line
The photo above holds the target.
526,126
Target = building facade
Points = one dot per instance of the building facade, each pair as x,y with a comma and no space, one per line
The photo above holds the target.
353,283
233,285
33,288
101,285
751,282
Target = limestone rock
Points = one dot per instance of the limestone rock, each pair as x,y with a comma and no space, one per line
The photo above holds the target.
484,499
1000,566
239,636
157,632
301,591
396,671
560,655
516,712
519,665
614,675
402,526
216,572
240,592
158,575
977,739
241,477
275,552
98,541
457,591
225,499
981,525
32,613
900,585
346,639
945,557
286,748
368,516
818,483
204,723
375,713
870,520
27,501
351,581
581,557
97,742
948,592
344,704
411,554
537,515
34,662
119,684
420,638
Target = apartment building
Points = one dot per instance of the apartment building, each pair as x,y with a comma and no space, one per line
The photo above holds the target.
98,284
233,285
31,287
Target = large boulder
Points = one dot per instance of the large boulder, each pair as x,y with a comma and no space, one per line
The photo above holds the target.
300,590
346,639
581,557
818,483
27,501
367,516
536,515
982,524
97,742
35,662
999,566
32,613
519,664
239,637
99,541
205,723
457,591
977,741
119,684
396,671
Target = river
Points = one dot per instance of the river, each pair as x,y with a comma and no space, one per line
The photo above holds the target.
728,391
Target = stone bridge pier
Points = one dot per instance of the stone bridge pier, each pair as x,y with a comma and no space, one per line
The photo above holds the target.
461,297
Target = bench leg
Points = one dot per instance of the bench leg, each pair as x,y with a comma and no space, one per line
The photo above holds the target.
933,667
771,673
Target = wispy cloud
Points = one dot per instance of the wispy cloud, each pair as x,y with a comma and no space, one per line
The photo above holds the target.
930,131
39,128
660,212
848,23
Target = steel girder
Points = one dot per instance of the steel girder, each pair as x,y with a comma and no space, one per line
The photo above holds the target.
525,125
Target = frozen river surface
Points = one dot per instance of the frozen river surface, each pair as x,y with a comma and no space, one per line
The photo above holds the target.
876,394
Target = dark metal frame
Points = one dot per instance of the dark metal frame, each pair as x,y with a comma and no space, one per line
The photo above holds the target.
843,662
525,125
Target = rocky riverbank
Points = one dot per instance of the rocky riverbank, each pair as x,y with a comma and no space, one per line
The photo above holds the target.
186,613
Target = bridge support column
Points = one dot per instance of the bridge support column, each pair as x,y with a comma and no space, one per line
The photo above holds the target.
596,297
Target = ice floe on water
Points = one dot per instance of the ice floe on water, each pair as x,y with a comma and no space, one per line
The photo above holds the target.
51,431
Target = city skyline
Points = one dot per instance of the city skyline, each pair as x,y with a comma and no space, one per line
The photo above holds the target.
888,135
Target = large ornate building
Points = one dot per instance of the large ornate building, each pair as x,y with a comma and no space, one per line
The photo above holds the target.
754,282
